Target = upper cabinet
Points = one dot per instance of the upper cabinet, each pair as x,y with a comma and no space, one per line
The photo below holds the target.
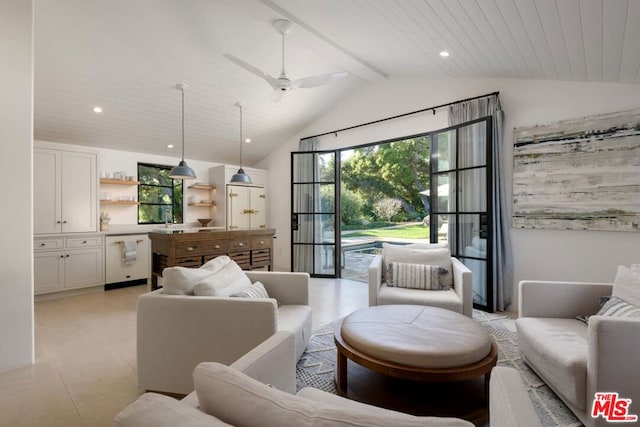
65,191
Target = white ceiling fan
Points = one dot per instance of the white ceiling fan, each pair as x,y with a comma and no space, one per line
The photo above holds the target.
283,84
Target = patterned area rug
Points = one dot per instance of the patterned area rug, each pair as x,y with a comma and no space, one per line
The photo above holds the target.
315,367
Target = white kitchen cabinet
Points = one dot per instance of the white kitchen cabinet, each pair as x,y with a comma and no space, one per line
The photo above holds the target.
117,269
246,207
65,191
65,263
246,210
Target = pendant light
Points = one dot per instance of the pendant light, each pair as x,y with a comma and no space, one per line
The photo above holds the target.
241,177
182,171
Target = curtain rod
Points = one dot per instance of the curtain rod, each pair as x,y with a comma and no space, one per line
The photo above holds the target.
434,108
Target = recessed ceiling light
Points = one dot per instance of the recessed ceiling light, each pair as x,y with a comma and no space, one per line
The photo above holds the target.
97,110
247,140
170,145
444,54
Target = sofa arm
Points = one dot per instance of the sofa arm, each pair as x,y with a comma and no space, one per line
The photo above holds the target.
560,299
463,285
509,402
375,279
271,362
176,332
612,361
288,288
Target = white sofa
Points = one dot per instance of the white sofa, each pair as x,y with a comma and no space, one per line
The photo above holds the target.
573,358
240,396
458,299
176,332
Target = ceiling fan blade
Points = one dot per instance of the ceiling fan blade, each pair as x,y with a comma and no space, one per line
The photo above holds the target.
272,81
319,80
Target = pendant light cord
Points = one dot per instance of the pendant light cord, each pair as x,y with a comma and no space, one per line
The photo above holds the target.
182,124
241,137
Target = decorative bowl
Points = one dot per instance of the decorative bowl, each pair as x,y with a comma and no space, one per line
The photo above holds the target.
204,221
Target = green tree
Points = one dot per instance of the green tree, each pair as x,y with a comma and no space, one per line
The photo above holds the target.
399,169
350,207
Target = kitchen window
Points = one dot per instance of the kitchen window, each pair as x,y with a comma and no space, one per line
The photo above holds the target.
159,196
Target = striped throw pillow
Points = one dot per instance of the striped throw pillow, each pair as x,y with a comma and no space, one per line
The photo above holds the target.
416,276
617,307
256,290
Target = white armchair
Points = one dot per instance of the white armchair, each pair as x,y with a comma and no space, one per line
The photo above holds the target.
573,358
459,298
177,332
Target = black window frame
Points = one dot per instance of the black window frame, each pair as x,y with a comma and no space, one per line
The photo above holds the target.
177,204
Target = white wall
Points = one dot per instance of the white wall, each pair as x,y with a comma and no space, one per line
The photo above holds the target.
538,254
115,160
16,130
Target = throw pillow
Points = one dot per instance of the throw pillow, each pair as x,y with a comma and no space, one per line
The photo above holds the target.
626,285
617,307
256,290
182,280
584,318
227,279
416,276
243,401
435,256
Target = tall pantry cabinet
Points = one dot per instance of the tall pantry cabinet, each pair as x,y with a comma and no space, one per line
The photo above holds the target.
240,206
68,254
64,191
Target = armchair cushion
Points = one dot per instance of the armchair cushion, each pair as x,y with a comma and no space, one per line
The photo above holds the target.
448,299
627,284
432,256
557,349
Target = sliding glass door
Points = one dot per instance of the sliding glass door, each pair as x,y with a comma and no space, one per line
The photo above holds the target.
315,224
460,200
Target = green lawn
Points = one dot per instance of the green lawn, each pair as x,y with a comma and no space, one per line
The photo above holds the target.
417,231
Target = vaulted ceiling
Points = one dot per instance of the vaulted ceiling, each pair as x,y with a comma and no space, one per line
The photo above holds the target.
126,56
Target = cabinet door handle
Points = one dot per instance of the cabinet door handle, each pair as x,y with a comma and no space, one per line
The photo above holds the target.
247,211
84,242
262,242
67,256
64,222
42,244
190,249
58,222
240,245
216,247
61,256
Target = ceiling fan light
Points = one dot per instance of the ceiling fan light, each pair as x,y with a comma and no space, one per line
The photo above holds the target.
182,171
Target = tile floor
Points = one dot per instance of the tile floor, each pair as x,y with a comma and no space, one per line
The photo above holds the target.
85,370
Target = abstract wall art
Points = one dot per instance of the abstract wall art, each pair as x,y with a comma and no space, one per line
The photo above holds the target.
579,174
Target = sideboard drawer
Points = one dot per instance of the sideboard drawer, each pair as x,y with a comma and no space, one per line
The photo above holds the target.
216,247
240,244
192,261
48,244
261,243
188,249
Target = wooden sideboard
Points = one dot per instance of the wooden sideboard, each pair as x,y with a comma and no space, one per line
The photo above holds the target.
249,248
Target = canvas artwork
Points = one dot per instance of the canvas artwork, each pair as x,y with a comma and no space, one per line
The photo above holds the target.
579,174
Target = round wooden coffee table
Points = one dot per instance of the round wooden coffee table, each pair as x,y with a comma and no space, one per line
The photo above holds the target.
414,342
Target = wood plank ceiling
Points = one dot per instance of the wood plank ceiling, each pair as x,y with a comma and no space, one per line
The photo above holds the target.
127,56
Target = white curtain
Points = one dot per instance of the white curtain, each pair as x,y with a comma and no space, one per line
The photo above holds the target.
502,256
305,171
